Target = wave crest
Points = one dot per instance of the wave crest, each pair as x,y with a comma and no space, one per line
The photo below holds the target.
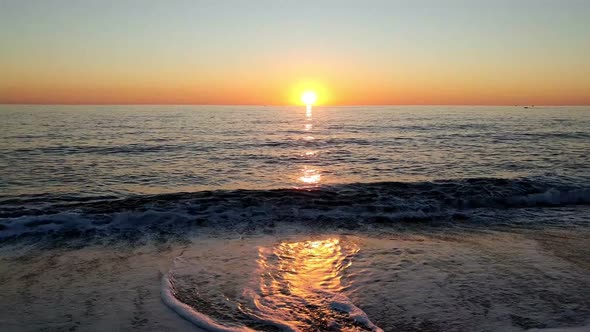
339,205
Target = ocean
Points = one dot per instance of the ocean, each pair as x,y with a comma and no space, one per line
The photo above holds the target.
240,218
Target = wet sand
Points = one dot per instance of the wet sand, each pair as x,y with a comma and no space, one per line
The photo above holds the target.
501,280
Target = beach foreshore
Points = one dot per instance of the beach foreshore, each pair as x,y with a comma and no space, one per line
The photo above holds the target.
492,280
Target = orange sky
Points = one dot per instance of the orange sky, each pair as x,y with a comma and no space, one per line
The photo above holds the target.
387,53
287,91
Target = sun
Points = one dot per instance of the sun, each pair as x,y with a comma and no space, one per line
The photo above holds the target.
309,97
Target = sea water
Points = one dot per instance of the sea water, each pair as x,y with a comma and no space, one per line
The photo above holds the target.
405,218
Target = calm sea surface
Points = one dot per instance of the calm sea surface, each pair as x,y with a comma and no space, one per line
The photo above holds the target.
126,150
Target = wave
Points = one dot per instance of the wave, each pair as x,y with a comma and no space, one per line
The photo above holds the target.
289,286
345,205
101,150
187,312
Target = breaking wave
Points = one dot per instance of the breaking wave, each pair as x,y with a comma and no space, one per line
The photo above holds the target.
346,205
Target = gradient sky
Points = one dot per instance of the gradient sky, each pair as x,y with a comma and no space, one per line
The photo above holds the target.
266,52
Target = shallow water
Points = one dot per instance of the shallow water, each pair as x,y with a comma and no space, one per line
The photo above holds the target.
412,280
289,285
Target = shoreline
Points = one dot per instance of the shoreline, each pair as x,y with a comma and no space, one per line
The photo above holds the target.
94,287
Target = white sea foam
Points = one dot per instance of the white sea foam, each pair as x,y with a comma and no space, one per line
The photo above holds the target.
187,312
292,286
350,205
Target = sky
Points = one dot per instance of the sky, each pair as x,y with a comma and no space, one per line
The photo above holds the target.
264,52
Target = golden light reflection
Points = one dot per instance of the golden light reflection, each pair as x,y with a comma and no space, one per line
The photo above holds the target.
302,283
313,265
310,176
310,153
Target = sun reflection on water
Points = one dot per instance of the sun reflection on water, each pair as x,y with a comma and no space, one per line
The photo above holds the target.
301,284
310,176
312,265
310,153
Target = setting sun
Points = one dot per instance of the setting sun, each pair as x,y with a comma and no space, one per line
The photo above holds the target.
309,97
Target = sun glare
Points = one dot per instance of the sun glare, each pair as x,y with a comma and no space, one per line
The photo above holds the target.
309,97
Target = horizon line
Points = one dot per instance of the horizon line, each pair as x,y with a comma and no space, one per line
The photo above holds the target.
285,105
